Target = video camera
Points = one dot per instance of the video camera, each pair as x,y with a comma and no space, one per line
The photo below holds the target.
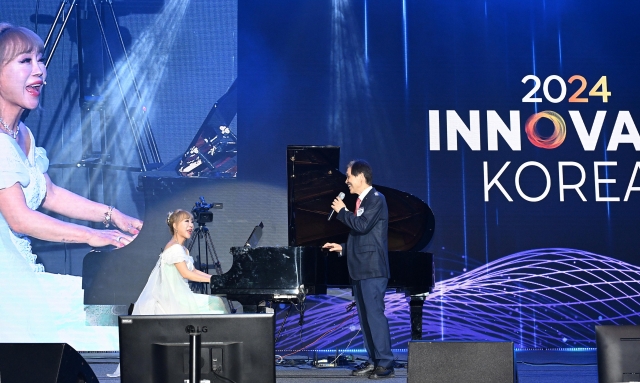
201,213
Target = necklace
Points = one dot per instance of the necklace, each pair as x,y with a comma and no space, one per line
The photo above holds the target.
12,133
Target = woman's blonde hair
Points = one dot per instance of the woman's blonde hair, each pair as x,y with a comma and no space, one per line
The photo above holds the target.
15,41
177,216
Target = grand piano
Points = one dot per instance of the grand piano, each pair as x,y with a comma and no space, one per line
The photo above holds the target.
289,274
271,273
261,274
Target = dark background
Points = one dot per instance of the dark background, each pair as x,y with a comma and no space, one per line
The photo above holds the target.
310,77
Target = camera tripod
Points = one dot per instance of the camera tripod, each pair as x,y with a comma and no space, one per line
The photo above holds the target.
202,232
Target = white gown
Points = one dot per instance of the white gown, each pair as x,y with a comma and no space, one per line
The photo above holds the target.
167,292
36,306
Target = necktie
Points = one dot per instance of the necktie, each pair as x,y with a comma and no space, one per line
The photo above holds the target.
357,206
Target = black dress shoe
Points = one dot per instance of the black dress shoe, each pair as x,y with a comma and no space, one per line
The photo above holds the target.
382,373
364,369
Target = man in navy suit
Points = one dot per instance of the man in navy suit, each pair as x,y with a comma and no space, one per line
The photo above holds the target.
368,261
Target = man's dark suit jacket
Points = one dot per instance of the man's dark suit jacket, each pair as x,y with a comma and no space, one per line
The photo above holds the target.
366,248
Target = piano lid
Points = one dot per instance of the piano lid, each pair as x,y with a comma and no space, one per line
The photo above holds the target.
314,181
212,152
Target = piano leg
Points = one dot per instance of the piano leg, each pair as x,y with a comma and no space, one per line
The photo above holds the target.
415,315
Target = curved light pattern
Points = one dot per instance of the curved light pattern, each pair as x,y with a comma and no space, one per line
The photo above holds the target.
539,298
545,298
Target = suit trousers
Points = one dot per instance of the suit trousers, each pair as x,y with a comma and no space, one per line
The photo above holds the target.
369,295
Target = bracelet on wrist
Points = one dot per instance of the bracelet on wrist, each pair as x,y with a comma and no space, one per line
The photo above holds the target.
107,217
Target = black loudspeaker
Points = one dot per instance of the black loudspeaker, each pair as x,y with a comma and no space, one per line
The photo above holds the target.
477,362
43,363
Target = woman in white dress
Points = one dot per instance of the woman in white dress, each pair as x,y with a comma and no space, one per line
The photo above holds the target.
167,290
36,306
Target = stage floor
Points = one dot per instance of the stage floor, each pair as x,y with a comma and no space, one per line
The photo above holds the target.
548,366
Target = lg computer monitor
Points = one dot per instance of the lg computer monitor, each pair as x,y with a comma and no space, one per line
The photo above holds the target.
239,347
618,349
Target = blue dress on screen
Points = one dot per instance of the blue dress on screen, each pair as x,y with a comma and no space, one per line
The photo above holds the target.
36,306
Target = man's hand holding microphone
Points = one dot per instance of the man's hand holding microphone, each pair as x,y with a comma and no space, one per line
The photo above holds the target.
336,205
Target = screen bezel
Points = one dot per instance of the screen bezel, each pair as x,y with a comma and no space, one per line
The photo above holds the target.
139,333
614,358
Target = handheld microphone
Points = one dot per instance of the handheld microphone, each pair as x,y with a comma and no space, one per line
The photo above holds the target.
341,196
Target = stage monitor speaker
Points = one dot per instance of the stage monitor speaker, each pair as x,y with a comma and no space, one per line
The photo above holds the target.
477,362
43,363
